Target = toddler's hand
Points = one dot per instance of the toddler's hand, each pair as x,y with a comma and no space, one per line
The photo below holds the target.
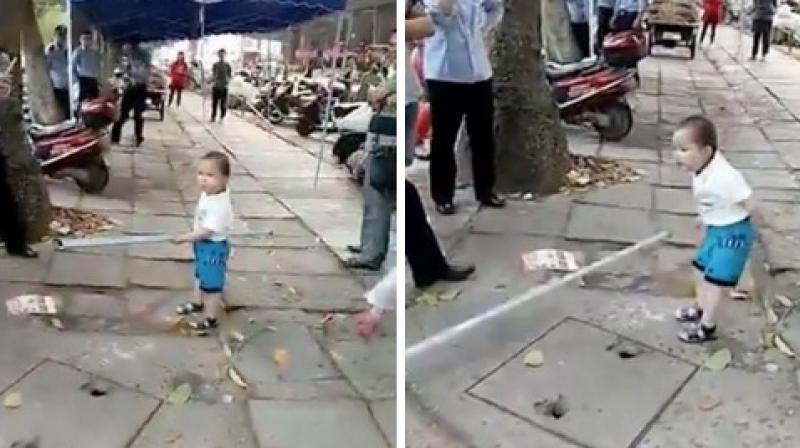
180,239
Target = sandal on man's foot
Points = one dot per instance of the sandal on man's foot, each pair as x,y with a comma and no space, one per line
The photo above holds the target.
697,333
189,308
689,314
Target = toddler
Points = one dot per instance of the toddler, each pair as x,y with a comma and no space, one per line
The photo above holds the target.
724,207
212,220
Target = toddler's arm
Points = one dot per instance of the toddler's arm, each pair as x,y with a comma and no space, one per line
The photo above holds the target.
191,237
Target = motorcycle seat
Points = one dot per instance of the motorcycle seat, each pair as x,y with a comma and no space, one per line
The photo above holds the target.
555,70
41,130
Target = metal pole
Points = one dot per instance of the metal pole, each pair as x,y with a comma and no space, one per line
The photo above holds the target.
326,117
451,333
71,112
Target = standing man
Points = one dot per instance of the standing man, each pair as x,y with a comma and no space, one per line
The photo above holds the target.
57,66
459,80
763,13
221,74
605,11
136,67
579,22
86,67
627,14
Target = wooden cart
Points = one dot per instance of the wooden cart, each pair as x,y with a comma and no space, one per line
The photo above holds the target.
671,35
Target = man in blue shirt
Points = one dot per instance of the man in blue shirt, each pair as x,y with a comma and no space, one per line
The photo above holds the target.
86,67
458,75
627,14
57,66
136,67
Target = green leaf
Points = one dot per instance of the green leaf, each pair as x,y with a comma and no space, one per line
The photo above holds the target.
719,360
180,395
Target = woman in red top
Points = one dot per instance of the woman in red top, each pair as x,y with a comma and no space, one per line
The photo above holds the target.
178,74
712,15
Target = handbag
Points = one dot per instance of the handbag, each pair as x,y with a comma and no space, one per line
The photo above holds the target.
382,168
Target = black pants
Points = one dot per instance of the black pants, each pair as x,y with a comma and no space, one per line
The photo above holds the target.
713,26
581,33
422,248
450,103
172,93
134,99
88,89
12,226
62,98
603,26
625,20
219,100
761,33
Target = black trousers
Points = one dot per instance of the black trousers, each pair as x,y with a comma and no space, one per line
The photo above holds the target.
422,248
219,100
88,89
706,25
450,103
761,34
12,225
134,99
625,21
62,98
172,93
581,33
603,26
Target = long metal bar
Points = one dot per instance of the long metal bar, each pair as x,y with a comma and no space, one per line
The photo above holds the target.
128,240
326,117
451,333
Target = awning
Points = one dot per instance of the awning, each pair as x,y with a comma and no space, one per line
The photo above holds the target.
158,20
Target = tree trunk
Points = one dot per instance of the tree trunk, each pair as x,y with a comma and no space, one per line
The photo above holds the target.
24,175
559,42
40,89
532,151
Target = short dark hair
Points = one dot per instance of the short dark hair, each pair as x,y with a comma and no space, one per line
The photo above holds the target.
704,133
86,33
221,160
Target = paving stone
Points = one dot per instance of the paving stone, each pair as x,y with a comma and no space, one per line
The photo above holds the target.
285,261
90,202
636,195
783,132
275,423
548,217
620,152
244,184
87,303
385,412
596,223
258,205
73,269
789,152
650,172
369,367
157,195
307,293
761,160
160,274
635,387
682,229
782,217
160,208
675,177
304,188
54,406
162,251
777,195
17,269
677,201
147,223
778,180
63,194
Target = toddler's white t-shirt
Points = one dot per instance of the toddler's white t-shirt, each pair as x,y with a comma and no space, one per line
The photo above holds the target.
719,189
214,212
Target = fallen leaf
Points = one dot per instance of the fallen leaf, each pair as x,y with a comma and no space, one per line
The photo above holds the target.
293,291
180,395
237,336
709,403
449,296
280,357
226,348
719,360
534,359
172,437
13,400
783,346
56,323
336,357
237,379
785,301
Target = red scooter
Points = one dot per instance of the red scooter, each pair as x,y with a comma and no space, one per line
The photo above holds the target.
75,149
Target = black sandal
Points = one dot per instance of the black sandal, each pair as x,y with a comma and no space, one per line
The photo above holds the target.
689,314
697,333
189,308
204,324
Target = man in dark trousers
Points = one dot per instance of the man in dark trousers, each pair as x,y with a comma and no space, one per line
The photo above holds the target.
136,69
86,66
57,68
221,74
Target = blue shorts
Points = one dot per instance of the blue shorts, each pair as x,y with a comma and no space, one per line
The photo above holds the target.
724,252
210,264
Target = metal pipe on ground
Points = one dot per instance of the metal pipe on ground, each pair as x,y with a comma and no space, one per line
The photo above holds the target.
451,333
127,240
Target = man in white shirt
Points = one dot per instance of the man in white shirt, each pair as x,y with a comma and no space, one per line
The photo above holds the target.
579,21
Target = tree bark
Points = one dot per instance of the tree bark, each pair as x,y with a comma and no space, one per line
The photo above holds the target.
24,174
40,88
532,151
559,42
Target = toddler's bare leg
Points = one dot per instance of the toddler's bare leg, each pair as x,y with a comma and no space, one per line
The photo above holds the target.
214,305
709,296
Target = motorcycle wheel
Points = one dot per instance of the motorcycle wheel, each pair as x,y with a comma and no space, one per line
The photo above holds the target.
98,177
620,121
273,114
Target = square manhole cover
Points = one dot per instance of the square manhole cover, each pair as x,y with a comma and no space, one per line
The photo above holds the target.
61,414
601,389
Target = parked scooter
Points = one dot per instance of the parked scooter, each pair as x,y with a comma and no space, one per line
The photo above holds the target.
594,94
312,113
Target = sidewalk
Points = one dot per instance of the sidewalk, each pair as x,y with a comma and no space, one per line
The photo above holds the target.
118,300
479,389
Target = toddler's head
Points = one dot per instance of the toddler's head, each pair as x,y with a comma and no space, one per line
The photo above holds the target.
213,172
695,142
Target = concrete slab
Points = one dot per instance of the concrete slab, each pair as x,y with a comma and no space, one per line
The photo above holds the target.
683,229
258,205
596,223
675,177
675,201
635,388
637,196
160,274
548,217
275,423
73,269
54,406
294,292
371,368
285,261
385,413
758,160
778,180
617,151
147,223
17,269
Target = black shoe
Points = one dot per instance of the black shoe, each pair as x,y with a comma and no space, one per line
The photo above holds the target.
353,249
493,201
447,208
457,273
25,252
357,263
139,141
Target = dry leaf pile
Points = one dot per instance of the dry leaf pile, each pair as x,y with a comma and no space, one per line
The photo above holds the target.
74,222
588,172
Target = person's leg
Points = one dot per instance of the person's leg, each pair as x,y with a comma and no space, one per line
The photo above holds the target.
12,225
422,248
480,126
411,118
171,96
703,32
713,31
756,38
381,298
125,112
94,88
581,33
603,24
464,172
446,115
223,102
766,37
212,259
139,105
62,98
180,94
375,226
214,103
